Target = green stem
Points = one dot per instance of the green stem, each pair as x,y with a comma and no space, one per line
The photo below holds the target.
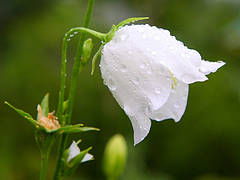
44,162
74,79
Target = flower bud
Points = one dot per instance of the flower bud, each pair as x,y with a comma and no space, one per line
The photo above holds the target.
87,49
115,156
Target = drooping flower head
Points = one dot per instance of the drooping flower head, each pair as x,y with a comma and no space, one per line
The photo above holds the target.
148,72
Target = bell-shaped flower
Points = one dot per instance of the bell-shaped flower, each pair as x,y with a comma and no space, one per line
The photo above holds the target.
148,72
74,151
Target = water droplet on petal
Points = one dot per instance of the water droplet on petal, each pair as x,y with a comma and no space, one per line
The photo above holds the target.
123,37
157,38
149,71
144,36
142,66
111,85
176,106
157,91
129,52
123,67
154,53
203,70
136,80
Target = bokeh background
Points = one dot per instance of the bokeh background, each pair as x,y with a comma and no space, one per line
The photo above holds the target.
204,145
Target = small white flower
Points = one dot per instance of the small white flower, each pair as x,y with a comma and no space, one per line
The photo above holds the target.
148,72
74,150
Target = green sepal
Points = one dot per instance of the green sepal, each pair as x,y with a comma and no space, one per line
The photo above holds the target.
111,33
73,129
78,159
45,105
24,114
130,20
98,53
72,165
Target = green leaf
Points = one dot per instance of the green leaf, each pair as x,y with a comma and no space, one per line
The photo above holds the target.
72,130
24,114
45,105
131,20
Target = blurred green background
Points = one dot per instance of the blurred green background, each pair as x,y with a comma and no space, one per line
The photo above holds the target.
204,145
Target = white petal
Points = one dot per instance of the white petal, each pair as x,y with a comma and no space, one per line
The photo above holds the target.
175,106
136,82
73,151
208,67
141,126
87,157
137,65
163,48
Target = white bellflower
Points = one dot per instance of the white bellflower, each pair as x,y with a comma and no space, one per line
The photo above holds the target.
148,72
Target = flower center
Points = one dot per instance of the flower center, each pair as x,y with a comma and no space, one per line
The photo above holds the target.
49,122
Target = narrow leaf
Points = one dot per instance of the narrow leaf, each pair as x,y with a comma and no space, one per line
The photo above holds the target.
23,114
131,20
98,53
72,130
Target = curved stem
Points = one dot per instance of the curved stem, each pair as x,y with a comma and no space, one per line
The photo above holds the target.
74,78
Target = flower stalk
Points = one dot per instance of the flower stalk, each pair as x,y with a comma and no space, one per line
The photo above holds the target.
74,79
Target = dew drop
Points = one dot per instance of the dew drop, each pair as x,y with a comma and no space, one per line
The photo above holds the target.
123,67
123,37
176,106
157,38
71,35
154,53
105,82
136,80
75,32
149,71
157,91
203,70
142,66
111,85
144,36
68,39
129,52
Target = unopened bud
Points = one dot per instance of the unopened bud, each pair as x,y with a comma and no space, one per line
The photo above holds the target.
115,156
87,50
